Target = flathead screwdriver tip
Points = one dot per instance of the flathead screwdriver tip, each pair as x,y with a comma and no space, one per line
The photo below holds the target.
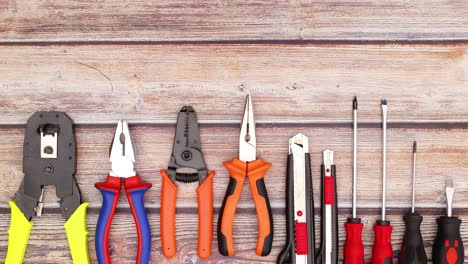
355,103
449,191
415,145
449,182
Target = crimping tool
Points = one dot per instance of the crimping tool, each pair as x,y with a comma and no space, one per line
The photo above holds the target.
187,165
49,158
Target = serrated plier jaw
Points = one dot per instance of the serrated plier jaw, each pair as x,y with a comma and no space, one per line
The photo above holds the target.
122,154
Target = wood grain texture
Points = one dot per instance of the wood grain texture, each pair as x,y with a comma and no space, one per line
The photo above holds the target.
290,83
48,240
302,61
371,20
440,150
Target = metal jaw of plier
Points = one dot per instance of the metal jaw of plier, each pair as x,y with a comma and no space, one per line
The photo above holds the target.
187,165
122,157
49,158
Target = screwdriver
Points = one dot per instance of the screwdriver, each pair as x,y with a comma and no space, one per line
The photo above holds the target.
354,248
382,251
412,249
448,245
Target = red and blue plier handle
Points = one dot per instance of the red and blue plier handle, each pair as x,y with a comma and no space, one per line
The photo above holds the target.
135,189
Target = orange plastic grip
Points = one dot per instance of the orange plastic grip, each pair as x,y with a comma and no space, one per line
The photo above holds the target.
168,212
205,216
256,171
237,170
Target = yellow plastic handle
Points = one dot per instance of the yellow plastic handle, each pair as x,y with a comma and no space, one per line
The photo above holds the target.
77,235
18,235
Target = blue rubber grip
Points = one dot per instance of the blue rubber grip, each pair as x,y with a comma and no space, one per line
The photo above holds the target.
141,221
109,201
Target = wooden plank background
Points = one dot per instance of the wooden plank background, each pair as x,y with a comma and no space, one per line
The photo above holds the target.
302,61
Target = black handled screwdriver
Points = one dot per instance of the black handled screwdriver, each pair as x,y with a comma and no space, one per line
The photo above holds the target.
448,245
412,249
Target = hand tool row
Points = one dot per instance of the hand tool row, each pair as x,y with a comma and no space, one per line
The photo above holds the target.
49,158
300,245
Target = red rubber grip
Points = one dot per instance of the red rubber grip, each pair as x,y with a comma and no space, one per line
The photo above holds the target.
329,190
353,248
382,252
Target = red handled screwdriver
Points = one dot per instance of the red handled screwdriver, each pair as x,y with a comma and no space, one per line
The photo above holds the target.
382,252
412,249
354,248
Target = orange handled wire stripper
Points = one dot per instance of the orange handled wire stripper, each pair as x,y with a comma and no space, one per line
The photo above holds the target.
187,165
247,165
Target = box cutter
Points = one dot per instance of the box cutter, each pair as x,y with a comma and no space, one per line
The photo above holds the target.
122,157
328,253
49,158
300,244
187,165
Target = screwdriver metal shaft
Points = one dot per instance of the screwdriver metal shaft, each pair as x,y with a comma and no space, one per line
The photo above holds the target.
355,105
384,156
354,248
412,249
382,251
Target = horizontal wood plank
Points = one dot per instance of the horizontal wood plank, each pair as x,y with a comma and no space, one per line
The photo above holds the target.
440,151
162,21
300,84
48,242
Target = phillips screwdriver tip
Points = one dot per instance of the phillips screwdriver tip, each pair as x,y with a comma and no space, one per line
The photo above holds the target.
415,147
355,103
384,101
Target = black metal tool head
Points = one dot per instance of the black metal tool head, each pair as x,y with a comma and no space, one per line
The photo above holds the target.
187,163
49,158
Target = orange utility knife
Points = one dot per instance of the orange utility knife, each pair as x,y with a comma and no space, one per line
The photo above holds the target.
247,165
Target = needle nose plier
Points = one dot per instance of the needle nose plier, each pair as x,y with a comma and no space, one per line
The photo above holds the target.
187,165
49,158
247,165
122,158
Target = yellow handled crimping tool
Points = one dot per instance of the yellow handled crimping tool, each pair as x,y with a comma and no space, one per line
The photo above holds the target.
49,158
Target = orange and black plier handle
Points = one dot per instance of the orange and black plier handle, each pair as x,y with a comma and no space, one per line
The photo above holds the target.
255,171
